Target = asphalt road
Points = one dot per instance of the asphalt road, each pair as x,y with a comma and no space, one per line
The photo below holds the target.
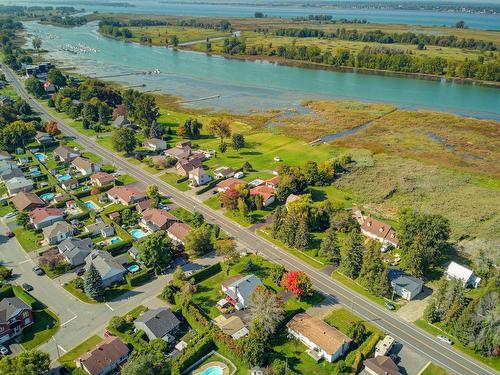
406,333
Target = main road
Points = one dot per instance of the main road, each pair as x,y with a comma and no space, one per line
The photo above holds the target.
404,332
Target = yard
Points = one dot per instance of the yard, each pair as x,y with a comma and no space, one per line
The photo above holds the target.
109,293
45,326
125,179
68,359
28,238
172,178
433,369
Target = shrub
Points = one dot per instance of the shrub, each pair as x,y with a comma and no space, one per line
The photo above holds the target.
191,354
208,187
115,248
206,272
119,323
139,277
168,294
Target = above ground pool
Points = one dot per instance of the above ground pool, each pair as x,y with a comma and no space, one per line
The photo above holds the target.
138,233
47,196
64,177
91,205
40,156
212,370
133,268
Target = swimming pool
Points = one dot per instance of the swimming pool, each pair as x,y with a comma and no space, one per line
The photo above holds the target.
64,177
133,268
40,156
47,196
116,240
138,233
91,205
212,370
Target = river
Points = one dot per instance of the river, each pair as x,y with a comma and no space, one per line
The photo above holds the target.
284,8
245,85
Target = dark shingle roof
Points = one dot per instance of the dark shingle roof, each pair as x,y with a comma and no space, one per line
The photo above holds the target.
160,321
10,307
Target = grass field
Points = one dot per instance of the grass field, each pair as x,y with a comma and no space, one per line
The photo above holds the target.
45,326
28,238
161,34
433,369
68,359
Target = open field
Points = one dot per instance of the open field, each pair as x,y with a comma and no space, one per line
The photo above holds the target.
159,34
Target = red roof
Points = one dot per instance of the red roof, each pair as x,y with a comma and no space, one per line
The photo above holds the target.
264,191
125,193
158,216
103,177
273,180
230,183
40,214
179,230
104,355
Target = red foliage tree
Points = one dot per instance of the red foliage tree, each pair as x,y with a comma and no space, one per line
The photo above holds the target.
297,282
52,128
229,199
120,110
95,190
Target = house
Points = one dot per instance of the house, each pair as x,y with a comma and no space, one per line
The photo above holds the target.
18,184
156,219
44,216
71,204
178,232
405,286
457,271
228,184
184,166
60,198
121,121
100,228
9,174
44,138
4,155
6,100
65,154
144,205
26,201
239,289
133,252
199,176
114,215
224,172
381,365
265,192
323,340
384,346
7,165
377,230
57,232
159,323
101,179
232,326
155,144
85,166
273,182
15,316
75,250
70,184
110,270
49,87
125,195
182,150
105,357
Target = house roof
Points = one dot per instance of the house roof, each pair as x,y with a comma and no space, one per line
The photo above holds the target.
225,171
189,164
154,141
10,307
179,230
70,182
158,216
104,262
82,163
5,154
103,177
317,331
23,200
145,204
231,325
125,193
265,191
230,183
105,354
56,228
382,365
379,229
121,120
72,247
197,172
64,152
97,227
292,198
245,286
40,214
274,180
398,277
179,151
458,271
16,182
41,135
160,321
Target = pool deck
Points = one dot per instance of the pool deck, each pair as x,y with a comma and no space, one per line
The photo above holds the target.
223,366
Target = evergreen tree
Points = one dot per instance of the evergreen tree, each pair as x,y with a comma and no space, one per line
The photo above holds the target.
92,284
303,236
351,256
329,247
357,332
288,230
373,274
155,131
278,220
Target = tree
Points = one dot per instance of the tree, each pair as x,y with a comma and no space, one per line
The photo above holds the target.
18,134
302,236
298,283
266,309
220,128
197,219
276,273
343,221
222,147
33,362
373,274
279,218
190,129
22,219
330,248
36,42
351,256
292,183
174,39
242,207
92,284
226,249
460,25
238,141
259,202
56,77
145,109
247,167
155,131
187,291
52,128
156,250
178,277
357,332
254,350
152,192
34,87
124,140
199,241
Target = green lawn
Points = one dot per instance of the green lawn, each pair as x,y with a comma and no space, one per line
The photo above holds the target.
125,179
28,238
45,326
171,179
433,369
338,197
213,202
92,157
68,359
435,330
109,294
4,210
70,287
3,189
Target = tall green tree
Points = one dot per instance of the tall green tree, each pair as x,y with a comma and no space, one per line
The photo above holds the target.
351,256
220,128
145,109
303,235
33,362
357,332
330,248
373,274
124,140
36,42
199,241
18,134
92,284
156,250
34,87
238,141
266,309
56,77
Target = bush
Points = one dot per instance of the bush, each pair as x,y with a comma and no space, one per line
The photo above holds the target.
6,292
119,323
209,186
181,180
84,193
82,216
5,273
206,273
115,248
140,277
168,294
196,318
191,354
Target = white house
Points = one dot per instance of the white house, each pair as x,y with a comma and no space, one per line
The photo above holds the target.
199,176
239,290
85,166
110,270
57,232
323,340
405,286
457,271
18,184
45,216
178,232
155,144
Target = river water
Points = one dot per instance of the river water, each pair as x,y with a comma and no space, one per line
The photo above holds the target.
244,85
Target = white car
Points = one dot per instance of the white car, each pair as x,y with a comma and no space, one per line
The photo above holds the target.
445,339
3,350
239,175
9,215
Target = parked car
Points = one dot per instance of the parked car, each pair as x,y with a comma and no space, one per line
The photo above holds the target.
389,306
80,272
394,358
9,234
9,215
239,175
38,271
3,350
27,287
445,339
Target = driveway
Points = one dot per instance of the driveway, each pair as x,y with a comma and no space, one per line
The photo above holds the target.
414,309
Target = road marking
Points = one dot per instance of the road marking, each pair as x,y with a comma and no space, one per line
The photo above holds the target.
60,347
70,320
109,307
25,261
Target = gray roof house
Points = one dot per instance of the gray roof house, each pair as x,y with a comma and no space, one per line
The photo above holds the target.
120,121
160,323
405,286
66,154
110,270
17,184
57,232
7,174
7,164
239,289
75,250
101,228
44,138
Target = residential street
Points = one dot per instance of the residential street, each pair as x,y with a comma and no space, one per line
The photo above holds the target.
404,332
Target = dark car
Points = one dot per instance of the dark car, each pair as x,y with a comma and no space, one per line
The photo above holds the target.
38,271
27,287
80,272
9,234
389,306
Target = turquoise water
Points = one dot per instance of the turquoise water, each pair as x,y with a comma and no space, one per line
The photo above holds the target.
213,370
40,156
133,268
47,196
64,177
138,233
116,240
246,85
91,205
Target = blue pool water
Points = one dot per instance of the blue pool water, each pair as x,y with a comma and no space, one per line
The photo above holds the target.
91,205
40,156
213,370
137,233
47,196
133,268
64,177
116,240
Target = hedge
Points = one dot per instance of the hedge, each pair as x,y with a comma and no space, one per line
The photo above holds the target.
206,273
81,216
6,292
82,194
209,186
140,277
190,355
115,248
196,318
180,180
